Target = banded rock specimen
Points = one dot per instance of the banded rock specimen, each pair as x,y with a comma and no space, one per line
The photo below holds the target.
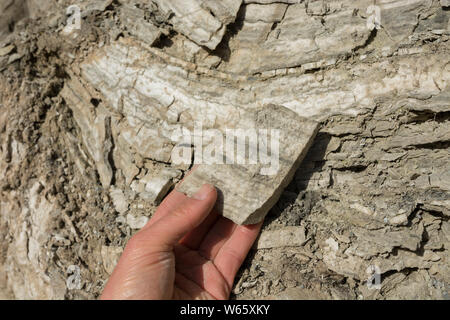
246,192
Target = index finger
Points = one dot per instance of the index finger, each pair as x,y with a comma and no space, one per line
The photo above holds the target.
234,251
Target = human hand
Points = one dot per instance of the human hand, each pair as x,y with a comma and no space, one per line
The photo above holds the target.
186,251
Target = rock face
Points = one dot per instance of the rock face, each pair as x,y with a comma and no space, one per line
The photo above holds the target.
246,192
155,114
94,119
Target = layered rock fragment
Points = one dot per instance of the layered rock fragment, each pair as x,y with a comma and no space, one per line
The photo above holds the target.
286,237
155,185
246,192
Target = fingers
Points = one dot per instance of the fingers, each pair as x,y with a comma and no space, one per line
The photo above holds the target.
201,271
171,227
217,236
194,238
233,252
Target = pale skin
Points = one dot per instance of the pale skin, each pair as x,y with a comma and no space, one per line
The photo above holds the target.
186,251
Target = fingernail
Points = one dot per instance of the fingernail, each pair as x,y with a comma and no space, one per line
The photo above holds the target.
203,192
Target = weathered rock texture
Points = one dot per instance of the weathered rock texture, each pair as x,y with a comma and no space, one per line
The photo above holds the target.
89,120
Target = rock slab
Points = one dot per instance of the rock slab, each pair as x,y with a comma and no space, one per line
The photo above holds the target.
245,191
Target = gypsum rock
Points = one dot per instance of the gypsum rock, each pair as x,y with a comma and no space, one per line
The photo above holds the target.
160,98
304,39
166,94
133,19
95,124
22,273
155,96
290,236
312,34
272,37
154,186
245,192
204,22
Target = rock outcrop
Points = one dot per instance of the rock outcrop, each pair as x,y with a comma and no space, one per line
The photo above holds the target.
92,118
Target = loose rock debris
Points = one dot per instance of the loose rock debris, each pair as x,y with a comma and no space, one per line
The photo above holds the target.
90,119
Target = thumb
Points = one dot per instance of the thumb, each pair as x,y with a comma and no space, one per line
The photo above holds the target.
171,228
